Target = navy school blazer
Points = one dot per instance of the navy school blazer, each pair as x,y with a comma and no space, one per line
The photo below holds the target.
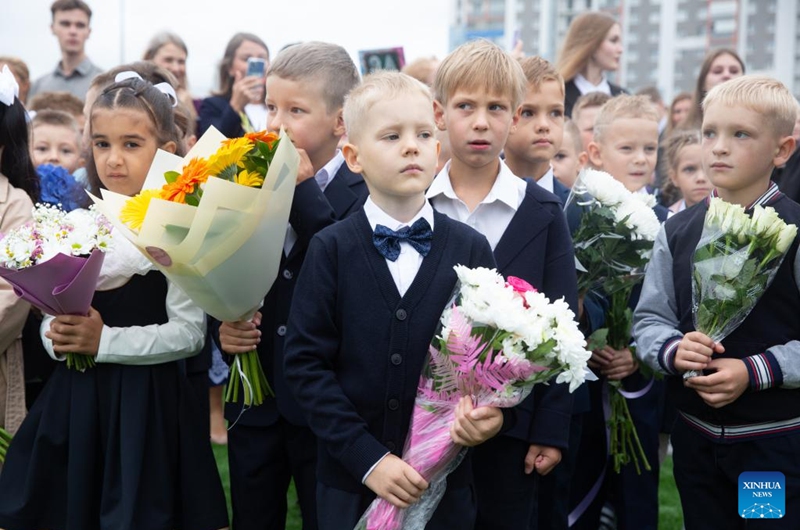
537,247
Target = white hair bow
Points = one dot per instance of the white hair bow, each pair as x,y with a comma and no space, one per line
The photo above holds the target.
9,88
164,88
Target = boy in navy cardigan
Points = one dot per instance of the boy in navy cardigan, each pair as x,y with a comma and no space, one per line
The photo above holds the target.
743,414
367,304
478,88
271,444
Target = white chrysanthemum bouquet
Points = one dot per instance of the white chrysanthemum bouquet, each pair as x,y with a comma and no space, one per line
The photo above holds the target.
613,243
497,339
54,261
735,261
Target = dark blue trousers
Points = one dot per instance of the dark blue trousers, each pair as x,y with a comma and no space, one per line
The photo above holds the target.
341,510
707,475
262,462
633,496
506,495
552,506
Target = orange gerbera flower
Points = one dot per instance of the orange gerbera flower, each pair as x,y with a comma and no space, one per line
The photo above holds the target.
262,136
177,191
194,174
196,171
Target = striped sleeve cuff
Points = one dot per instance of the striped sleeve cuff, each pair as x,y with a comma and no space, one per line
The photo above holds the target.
764,371
666,356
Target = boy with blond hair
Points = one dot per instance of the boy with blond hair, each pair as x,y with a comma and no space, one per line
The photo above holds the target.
56,140
271,444
625,142
625,145
368,302
743,414
478,89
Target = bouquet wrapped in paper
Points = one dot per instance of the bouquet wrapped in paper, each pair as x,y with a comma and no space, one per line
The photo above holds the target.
496,340
735,261
214,223
54,262
613,243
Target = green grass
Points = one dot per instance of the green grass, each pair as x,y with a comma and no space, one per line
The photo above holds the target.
670,516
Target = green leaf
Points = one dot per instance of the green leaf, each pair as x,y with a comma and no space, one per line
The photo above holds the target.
171,176
597,340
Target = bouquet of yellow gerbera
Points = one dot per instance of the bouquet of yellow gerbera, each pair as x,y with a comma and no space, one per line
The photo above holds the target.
214,223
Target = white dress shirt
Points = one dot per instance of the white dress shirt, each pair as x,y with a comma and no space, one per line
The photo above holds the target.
494,213
323,177
405,268
585,86
546,181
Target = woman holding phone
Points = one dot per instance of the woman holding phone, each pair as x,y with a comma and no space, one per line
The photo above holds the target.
238,106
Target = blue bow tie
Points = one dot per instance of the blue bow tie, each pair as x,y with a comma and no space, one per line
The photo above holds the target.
418,235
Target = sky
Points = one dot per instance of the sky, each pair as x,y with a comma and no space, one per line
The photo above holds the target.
122,28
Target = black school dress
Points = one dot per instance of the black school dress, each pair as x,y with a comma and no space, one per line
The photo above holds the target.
117,446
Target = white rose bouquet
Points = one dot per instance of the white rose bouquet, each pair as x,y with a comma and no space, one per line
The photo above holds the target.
735,261
496,339
613,243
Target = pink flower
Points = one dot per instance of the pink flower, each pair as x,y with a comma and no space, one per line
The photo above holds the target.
520,285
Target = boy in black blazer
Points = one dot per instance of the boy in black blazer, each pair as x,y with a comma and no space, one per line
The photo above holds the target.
368,302
270,444
477,105
528,151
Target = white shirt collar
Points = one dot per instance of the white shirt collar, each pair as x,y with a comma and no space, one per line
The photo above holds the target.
546,181
376,216
506,188
326,173
585,86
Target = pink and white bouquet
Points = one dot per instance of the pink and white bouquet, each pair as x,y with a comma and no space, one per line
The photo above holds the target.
54,261
497,339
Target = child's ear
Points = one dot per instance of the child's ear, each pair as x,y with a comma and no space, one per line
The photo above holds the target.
785,149
593,153
438,115
339,129
170,147
350,153
583,158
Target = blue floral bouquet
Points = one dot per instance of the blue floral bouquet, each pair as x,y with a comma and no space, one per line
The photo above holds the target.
59,188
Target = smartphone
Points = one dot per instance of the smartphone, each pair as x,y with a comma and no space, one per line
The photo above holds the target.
256,66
